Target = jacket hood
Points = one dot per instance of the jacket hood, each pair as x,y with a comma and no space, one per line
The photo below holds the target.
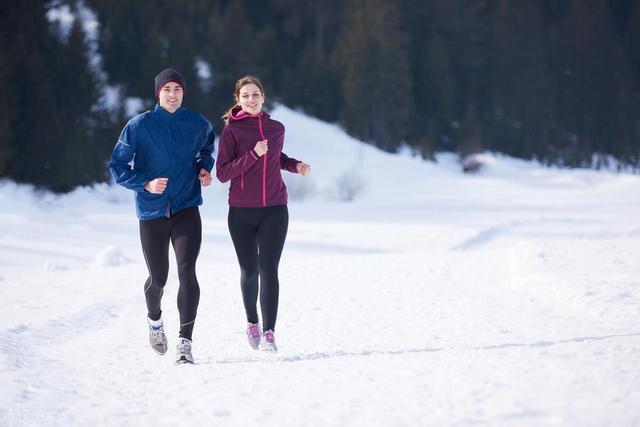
237,113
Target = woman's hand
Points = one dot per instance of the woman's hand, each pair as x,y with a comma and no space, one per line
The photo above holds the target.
261,148
205,177
156,186
303,168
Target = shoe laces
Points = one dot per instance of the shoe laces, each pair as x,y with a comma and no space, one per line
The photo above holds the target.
268,336
253,330
184,346
157,334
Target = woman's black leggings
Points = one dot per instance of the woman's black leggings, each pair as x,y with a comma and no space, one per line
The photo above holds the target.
184,230
258,235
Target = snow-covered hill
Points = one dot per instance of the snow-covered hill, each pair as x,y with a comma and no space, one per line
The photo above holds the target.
510,297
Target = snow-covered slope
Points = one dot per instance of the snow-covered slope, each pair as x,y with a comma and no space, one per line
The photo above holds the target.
434,298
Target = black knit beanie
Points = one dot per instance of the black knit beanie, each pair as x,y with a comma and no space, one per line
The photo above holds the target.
168,75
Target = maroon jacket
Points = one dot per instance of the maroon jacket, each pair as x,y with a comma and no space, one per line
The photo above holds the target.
256,182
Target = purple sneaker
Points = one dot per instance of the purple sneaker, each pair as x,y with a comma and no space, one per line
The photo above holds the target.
268,342
253,335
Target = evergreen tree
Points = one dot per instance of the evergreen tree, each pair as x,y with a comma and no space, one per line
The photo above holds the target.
451,44
33,50
306,77
132,43
631,40
373,53
435,92
595,96
5,109
233,54
554,80
80,160
522,104
470,133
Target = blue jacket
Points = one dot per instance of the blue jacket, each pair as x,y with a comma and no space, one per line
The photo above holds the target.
158,144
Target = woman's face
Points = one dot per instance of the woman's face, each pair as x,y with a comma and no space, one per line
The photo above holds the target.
251,99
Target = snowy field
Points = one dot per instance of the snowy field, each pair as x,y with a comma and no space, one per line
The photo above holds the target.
507,298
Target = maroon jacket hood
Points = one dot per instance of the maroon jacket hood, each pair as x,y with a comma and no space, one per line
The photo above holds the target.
237,113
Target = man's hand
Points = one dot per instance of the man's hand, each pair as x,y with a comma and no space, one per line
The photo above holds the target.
205,177
156,186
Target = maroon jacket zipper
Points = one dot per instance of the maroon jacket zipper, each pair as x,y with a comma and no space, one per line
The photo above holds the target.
264,165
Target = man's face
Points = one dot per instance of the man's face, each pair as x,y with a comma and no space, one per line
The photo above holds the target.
170,96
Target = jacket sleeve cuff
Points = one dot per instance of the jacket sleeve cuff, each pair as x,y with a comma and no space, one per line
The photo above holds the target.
206,164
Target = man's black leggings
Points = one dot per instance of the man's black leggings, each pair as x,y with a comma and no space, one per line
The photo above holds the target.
184,230
258,236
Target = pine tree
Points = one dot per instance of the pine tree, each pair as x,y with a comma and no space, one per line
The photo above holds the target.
373,54
470,133
522,104
232,53
631,36
435,91
33,50
596,103
5,128
81,158
132,44
305,77
450,45
554,80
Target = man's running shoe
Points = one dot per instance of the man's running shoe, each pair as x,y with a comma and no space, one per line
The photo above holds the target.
183,353
157,338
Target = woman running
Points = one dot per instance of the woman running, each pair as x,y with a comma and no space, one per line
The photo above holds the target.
250,156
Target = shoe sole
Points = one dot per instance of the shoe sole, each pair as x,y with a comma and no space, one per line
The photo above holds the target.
161,353
183,361
159,350
156,349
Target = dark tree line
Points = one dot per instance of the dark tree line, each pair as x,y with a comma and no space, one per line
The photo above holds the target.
553,80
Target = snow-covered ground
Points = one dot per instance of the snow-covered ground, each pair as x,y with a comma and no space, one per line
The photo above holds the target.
507,298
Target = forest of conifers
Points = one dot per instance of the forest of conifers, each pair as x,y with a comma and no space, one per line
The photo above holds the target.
553,80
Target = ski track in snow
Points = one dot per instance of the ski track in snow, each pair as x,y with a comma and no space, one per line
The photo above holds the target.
501,301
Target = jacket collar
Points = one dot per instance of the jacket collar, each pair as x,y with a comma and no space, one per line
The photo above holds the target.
237,113
165,114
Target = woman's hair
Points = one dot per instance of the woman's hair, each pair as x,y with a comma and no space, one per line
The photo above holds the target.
246,80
